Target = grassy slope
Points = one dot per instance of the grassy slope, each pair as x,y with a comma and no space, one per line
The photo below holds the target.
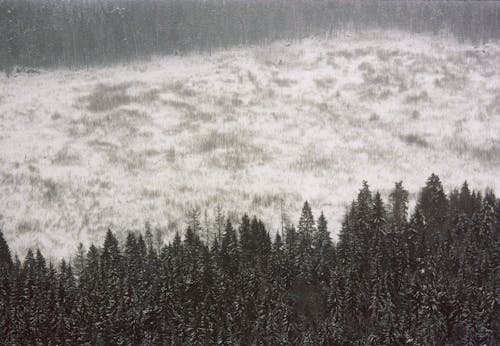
81,151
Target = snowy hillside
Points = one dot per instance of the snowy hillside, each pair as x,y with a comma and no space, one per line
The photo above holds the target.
81,151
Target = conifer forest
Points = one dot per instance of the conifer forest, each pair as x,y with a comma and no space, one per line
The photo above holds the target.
250,172
429,277
60,32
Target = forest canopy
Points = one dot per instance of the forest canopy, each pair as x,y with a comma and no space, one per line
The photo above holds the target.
428,278
48,33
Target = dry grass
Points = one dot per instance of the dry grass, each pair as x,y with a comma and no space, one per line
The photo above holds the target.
27,226
215,139
450,80
190,111
313,159
230,150
180,105
272,124
131,161
107,97
488,155
126,121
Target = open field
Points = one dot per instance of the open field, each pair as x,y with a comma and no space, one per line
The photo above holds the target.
81,151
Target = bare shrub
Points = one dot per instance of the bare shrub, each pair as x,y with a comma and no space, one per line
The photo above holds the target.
105,185
343,53
451,80
102,145
358,52
180,105
171,155
66,157
414,98
151,193
150,152
180,89
366,66
27,226
253,80
325,83
268,93
494,107
385,55
148,96
50,190
236,101
376,79
284,82
414,139
375,93
374,117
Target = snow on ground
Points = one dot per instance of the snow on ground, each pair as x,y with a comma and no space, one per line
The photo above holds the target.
247,128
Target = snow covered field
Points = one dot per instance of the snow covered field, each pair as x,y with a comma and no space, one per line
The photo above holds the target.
81,151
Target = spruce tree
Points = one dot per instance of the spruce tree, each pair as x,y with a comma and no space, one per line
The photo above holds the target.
398,199
5,256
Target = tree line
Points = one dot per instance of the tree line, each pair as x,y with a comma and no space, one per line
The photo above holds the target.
49,33
429,278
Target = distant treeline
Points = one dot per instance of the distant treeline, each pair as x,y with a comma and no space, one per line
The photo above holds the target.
427,279
43,33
